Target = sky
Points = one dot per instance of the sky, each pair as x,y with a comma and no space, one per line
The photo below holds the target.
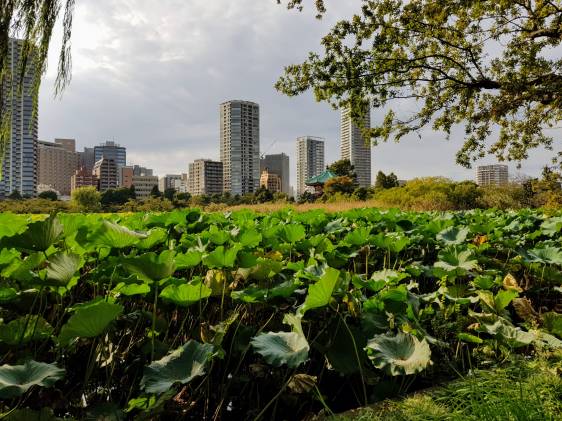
150,75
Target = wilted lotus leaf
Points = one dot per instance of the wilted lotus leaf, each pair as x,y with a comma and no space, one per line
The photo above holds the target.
509,282
302,383
525,310
400,354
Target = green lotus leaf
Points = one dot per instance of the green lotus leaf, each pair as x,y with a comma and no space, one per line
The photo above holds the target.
186,294
7,295
548,255
453,235
131,289
454,259
216,235
7,256
320,293
151,267
279,348
24,330
89,320
39,236
250,238
254,294
504,298
400,354
467,337
552,226
154,237
293,233
188,260
23,270
221,257
504,332
357,237
113,235
62,268
180,366
11,224
15,380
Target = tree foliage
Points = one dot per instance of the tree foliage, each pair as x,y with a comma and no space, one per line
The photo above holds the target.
492,66
384,181
343,168
86,199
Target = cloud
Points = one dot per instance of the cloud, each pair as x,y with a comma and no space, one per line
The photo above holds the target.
151,75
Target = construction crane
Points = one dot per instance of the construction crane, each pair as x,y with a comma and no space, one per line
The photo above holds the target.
268,148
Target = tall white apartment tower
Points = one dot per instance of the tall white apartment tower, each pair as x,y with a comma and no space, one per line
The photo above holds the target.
354,148
310,160
240,146
19,166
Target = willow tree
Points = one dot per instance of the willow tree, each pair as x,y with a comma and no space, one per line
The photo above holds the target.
492,66
33,22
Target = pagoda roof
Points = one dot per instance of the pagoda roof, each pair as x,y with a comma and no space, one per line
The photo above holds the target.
321,178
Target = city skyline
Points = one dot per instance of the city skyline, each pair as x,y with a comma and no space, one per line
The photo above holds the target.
168,124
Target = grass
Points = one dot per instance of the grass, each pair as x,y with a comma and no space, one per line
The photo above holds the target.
303,207
525,390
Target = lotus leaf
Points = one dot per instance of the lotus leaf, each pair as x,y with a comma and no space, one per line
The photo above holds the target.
89,320
17,379
399,354
180,366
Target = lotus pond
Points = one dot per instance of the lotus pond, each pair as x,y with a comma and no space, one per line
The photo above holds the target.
192,315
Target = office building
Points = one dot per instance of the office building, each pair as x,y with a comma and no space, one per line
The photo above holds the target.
270,181
492,175
169,182
83,178
126,174
87,159
144,184
105,171
111,150
278,164
355,148
310,160
19,164
240,146
205,177
57,163
138,170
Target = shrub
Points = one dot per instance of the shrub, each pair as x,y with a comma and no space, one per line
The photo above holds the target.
86,199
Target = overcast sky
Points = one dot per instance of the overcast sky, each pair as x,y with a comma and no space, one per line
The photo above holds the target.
150,75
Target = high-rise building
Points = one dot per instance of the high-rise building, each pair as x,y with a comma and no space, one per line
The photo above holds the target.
19,166
278,164
355,148
310,160
492,175
83,178
57,163
270,181
205,177
111,150
106,172
87,159
169,182
240,146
